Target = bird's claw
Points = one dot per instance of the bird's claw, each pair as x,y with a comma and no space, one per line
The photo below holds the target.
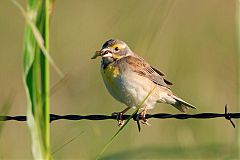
141,117
145,122
119,118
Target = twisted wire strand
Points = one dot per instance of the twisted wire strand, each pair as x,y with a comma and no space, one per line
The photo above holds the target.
55,117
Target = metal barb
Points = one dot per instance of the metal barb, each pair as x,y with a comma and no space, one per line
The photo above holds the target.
137,119
228,116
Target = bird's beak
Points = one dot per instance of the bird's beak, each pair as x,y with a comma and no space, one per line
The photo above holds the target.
103,53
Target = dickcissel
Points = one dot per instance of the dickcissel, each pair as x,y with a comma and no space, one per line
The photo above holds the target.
132,81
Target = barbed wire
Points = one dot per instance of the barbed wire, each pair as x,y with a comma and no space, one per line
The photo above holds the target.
54,117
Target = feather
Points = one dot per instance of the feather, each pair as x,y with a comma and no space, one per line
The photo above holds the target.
140,66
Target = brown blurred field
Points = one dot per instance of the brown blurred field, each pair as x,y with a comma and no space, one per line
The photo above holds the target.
192,42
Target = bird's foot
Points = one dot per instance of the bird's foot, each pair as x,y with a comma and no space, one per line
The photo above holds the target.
119,118
141,117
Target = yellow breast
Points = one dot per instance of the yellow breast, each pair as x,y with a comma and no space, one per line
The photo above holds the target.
111,78
111,71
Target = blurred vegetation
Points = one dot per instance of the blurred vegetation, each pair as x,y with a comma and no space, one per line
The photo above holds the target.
192,42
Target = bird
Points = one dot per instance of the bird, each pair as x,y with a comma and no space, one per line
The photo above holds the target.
134,82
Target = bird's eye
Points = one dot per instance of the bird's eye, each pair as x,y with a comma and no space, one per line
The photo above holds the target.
116,49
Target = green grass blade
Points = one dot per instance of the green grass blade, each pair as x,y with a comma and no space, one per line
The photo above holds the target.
124,125
115,135
36,74
38,35
66,143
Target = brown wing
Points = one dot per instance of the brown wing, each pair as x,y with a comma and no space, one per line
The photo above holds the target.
144,69
162,74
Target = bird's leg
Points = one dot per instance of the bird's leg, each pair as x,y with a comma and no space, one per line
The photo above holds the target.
120,116
141,116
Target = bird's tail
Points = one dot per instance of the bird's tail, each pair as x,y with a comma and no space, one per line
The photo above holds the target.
180,104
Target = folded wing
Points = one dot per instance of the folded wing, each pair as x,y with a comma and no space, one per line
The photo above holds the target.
138,65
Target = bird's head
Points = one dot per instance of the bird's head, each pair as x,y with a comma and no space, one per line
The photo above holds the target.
114,49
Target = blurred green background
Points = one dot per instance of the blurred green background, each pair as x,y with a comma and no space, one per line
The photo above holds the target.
192,41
